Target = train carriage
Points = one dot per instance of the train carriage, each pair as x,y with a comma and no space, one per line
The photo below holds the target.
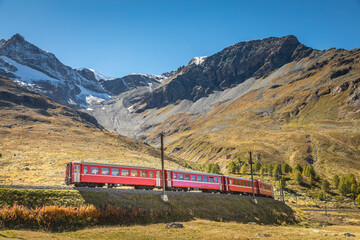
110,175
266,189
186,180
240,185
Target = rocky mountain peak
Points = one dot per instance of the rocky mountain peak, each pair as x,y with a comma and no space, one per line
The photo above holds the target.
37,67
17,37
197,60
226,69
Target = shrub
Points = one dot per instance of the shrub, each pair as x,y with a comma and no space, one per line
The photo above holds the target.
232,168
285,168
298,167
244,169
51,218
325,185
298,178
212,168
277,171
336,181
257,167
358,198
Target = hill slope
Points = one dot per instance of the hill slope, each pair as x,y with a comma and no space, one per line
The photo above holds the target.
39,136
307,111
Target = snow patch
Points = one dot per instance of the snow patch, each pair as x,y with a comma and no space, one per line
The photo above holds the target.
89,97
27,74
197,60
92,99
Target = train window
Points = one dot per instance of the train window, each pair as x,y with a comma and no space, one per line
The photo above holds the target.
94,170
85,169
211,179
151,174
134,173
174,175
200,178
181,176
187,176
124,172
143,173
216,179
193,177
105,171
115,171
206,179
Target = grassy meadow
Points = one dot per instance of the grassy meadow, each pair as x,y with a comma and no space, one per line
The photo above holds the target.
196,229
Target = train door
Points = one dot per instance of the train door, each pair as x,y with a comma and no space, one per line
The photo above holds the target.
220,182
158,179
168,179
77,173
226,184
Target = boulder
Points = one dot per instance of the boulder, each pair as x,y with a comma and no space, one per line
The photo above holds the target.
347,234
174,225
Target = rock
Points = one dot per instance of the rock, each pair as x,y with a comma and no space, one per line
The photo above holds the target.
347,234
334,234
27,169
174,225
263,235
316,231
252,223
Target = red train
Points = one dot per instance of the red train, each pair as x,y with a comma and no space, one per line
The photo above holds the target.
83,174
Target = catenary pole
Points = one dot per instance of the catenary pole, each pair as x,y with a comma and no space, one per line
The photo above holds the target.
164,196
252,177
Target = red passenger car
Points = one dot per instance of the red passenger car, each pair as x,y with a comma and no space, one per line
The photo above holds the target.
266,189
186,180
240,185
98,175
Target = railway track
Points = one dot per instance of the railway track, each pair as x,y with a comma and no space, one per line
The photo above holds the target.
120,190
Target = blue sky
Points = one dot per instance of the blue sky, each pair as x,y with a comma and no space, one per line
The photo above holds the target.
118,37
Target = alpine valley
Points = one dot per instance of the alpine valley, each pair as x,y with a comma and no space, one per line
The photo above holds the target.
277,97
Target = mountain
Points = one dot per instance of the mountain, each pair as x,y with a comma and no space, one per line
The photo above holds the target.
39,136
41,71
92,74
277,97
118,85
284,101
226,69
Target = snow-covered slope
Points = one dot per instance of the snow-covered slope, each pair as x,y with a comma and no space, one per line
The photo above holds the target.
25,73
42,72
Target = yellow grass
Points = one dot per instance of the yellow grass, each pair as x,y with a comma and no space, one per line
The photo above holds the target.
198,229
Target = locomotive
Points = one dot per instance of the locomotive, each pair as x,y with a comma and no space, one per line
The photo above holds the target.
86,174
